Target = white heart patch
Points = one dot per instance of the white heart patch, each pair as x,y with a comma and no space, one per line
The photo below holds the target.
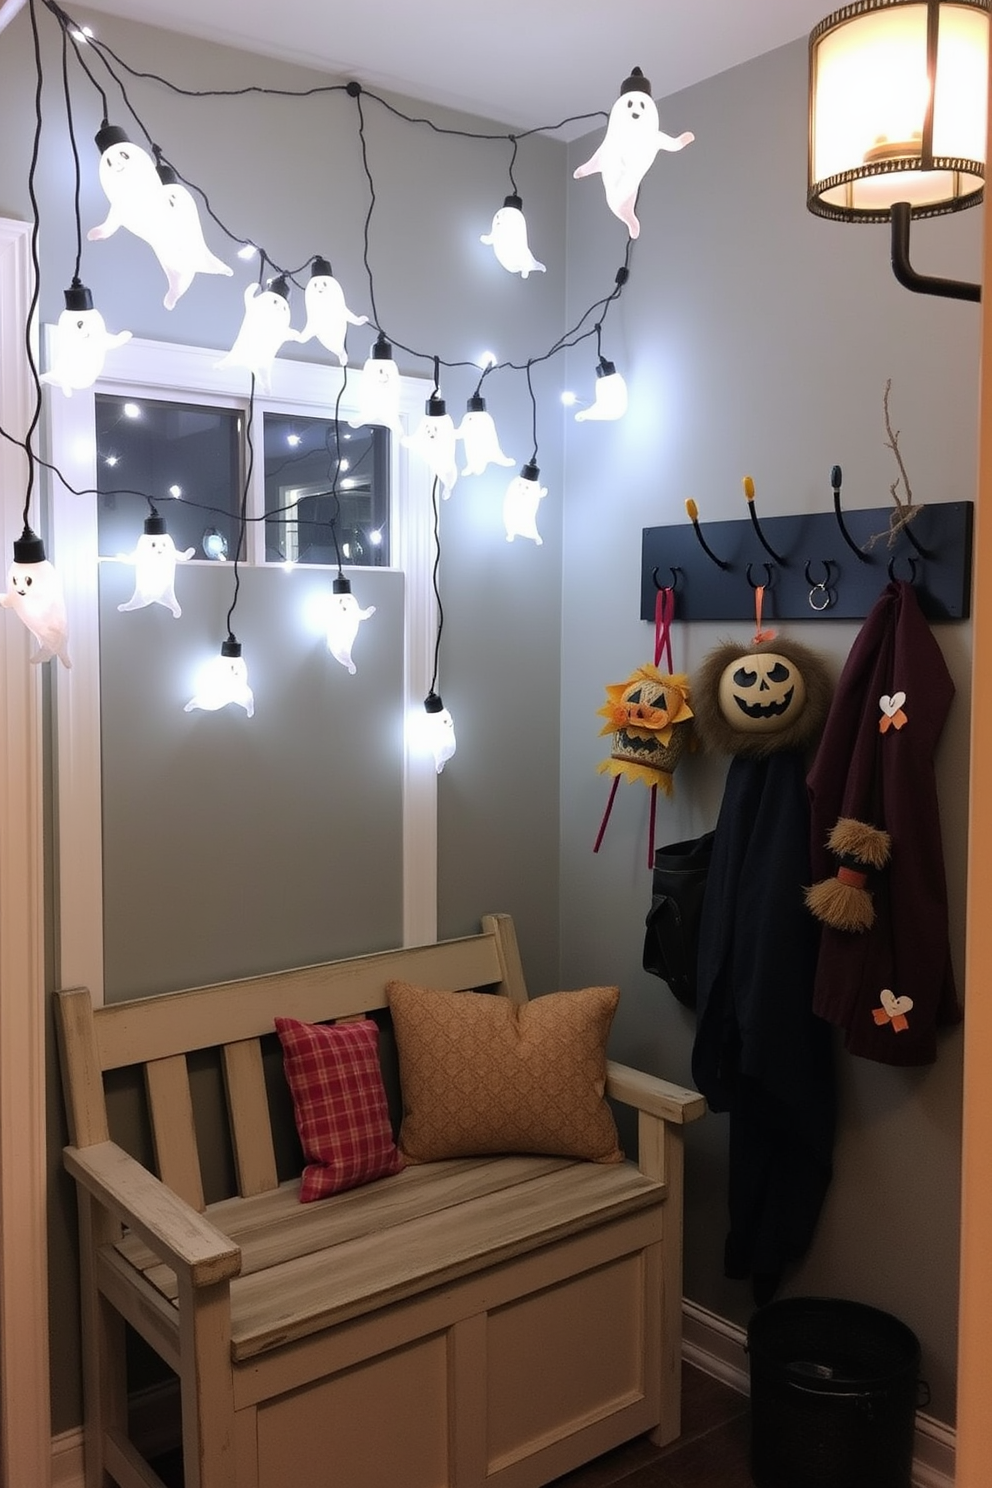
895,1006
890,705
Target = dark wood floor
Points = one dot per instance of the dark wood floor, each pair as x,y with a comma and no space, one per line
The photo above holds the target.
712,1451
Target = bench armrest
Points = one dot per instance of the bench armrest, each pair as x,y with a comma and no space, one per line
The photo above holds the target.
648,1093
177,1234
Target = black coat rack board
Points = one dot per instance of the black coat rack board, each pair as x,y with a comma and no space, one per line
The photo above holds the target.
814,565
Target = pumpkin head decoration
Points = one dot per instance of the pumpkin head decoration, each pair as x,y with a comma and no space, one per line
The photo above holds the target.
651,722
759,698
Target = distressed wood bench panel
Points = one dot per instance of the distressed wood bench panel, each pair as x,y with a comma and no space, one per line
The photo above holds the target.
312,1266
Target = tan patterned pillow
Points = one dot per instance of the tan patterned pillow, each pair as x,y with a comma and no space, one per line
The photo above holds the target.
481,1074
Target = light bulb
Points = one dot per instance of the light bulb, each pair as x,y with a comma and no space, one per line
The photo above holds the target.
34,593
440,730
568,399
628,149
155,558
131,411
154,205
328,317
214,544
434,440
379,390
508,237
520,504
293,440
478,433
611,395
343,620
224,680
264,328
81,342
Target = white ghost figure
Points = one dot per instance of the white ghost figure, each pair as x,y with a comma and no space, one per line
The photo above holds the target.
264,328
34,593
155,558
153,204
80,343
477,432
434,440
182,250
440,730
628,149
508,237
379,390
611,395
343,619
328,317
224,680
520,505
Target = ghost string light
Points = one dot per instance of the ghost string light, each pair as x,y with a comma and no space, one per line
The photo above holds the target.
155,557
611,390
328,317
525,493
264,329
439,726
633,139
379,389
434,439
477,431
345,614
80,342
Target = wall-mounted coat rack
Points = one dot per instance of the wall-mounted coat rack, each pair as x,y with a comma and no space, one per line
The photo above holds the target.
813,565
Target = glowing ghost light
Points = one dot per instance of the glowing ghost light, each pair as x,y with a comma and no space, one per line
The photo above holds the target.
434,441
224,680
155,558
328,317
508,237
80,343
34,593
181,249
478,433
264,328
631,142
611,395
521,502
440,730
379,390
343,621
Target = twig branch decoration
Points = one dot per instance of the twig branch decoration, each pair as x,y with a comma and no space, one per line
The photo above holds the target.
905,511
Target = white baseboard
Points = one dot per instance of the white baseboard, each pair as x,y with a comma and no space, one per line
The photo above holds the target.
717,1347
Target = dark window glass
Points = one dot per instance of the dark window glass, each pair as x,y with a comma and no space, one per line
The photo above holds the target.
185,457
307,518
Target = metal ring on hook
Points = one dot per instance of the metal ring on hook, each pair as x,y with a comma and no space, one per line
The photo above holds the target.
912,569
675,579
820,597
768,577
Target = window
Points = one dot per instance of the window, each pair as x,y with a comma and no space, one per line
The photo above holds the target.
194,435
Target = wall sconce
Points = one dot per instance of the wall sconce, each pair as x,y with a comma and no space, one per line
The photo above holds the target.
897,118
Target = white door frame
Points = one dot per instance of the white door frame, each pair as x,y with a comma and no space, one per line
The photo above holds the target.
25,1417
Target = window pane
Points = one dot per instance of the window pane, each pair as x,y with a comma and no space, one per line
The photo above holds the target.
306,522
185,457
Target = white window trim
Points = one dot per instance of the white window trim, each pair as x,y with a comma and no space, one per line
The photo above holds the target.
190,373
25,1440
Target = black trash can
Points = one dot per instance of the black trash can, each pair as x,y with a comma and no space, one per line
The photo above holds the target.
834,1391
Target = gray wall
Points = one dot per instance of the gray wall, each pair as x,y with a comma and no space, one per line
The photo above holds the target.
288,173
757,339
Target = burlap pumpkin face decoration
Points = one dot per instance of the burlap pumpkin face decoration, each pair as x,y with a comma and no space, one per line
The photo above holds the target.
650,720
762,692
759,698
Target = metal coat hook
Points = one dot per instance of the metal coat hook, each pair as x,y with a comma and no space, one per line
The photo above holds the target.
820,597
675,579
835,480
912,569
693,513
768,577
748,484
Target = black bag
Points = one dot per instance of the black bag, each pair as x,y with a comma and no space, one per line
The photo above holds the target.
672,938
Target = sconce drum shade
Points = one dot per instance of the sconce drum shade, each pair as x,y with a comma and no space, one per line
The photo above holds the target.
898,102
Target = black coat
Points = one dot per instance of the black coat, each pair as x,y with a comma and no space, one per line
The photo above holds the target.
760,1052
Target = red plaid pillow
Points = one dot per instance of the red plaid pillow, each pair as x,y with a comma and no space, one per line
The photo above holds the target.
340,1104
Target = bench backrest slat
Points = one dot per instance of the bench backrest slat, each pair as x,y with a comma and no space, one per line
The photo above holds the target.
160,1033
248,1109
170,1108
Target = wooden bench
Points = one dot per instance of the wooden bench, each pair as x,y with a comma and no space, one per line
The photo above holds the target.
468,1322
